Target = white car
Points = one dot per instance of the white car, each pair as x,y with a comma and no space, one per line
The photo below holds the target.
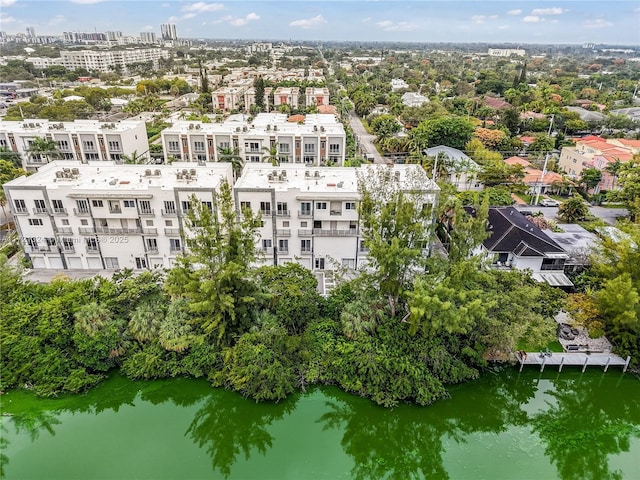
549,202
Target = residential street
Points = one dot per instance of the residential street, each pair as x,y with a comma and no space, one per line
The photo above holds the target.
364,140
609,215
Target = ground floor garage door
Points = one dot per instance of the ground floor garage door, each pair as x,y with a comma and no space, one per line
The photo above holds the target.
38,262
55,262
94,263
74,263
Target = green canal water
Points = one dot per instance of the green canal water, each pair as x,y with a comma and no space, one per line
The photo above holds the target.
504,426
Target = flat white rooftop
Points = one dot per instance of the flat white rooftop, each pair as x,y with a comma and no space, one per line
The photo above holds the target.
112,178
338,180
37,125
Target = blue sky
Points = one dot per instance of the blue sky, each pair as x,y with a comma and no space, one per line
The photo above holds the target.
539,21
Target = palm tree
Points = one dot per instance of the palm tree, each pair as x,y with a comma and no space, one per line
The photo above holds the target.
613,169
43,147
271,155
10,156
145,322
232,156
133,158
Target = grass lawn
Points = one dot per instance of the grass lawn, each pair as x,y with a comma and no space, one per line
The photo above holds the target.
553,346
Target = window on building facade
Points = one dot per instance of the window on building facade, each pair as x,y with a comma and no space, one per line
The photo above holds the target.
198,146
129,203
88,145
36,222
97,203
349,205
283,148
173,146
319,263
283,245
63,145
309,148
266,243
321,205
174,244
305,246
82,206
114,146
334,148
111,262
349,263
245,206
186,206
170,207
265,208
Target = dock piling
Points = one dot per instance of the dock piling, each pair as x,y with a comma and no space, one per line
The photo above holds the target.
606,367
561,363
626,364
584,367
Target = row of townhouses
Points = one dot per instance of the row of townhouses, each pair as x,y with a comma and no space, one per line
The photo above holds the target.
232,97
82,140
102,215
319,139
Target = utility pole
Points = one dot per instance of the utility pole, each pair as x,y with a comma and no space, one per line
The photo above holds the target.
544,172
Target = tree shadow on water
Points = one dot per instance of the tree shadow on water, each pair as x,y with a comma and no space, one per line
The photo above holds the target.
228,425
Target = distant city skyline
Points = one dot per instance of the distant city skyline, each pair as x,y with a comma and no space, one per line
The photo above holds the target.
540,21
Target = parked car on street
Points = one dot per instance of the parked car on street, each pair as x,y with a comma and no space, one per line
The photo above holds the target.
549,202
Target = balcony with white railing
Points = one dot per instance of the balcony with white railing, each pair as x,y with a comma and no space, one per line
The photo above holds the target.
306,252
172,231
305,232
321,232
65,230
147,212
81,212
86,230
20,210
304,213
40,211
283,213
175,251
119,231
150,231
169,213
283,232
152,250
59,211
92,249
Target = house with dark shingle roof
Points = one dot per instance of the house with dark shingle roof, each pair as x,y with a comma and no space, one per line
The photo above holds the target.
516,243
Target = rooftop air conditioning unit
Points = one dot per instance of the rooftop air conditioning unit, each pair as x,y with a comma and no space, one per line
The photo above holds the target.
157,172
179,176
75,171
192,172
59,174
307,173
191,126
147,173
283,173
316,174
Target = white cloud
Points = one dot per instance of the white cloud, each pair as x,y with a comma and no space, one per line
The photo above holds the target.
7,3
597,23
479,19
202,7
514,12
503,27
532,19
186,16
4,19
307,23
147,28
549,11
241,22
57,20
389,26
365,20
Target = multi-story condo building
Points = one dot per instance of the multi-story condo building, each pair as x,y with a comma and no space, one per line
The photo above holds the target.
250,98
168,31
320,140
82,140
106,216
228,98
316,96
506,52
102,61
310,215
286,96
147,37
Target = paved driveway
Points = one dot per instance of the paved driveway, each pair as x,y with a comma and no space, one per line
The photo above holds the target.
609,215
364,140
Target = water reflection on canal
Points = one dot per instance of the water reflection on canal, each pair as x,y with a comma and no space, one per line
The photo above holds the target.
506,425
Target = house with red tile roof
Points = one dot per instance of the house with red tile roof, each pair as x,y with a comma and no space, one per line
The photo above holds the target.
533,176
496,103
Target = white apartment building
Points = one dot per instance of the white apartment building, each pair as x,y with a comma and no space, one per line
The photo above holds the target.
316,96
106,216
82,140
168,31
286,96
506,52
102,61
310,214
148,37
228,98
320,140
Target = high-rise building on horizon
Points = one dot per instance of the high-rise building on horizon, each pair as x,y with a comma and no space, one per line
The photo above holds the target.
31,33
147,37
168,31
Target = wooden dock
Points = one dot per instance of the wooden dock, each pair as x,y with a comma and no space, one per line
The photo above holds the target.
577,359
